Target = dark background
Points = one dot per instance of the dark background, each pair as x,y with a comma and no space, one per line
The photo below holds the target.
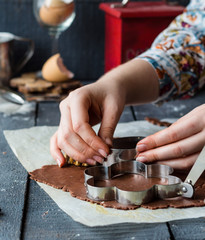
82,45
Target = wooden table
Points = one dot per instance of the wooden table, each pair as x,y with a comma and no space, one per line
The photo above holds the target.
27,212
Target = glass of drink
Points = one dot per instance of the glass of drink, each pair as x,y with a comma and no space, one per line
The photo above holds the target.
55,16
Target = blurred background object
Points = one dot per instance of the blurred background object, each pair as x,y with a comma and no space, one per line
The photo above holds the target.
81,45
131,29
8,48
55,16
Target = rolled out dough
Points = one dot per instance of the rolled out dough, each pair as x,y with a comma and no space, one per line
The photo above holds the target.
71,179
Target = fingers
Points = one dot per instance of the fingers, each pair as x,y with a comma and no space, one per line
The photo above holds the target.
176,132
183,138
82,128
188,125
111,115
56,151
75,135
79,115
181,163
58,156
78,142
178,145
182,148
90,162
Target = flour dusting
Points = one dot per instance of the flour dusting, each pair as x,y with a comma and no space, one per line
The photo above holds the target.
9,108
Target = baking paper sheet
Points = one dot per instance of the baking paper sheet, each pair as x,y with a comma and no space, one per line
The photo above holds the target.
31,147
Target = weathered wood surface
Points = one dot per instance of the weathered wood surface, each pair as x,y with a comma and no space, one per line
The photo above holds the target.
192,229
171,109
13,179
45,220
27,212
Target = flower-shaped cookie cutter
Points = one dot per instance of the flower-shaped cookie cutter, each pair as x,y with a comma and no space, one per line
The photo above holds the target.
123,149
119,165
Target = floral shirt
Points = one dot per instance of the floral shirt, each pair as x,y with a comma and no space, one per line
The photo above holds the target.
178,54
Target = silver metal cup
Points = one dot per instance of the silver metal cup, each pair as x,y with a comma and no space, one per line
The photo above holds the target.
8,67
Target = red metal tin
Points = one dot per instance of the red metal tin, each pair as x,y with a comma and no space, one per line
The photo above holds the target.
130,30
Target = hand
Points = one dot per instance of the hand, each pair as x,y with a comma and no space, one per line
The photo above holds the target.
103,101
178,145
83,108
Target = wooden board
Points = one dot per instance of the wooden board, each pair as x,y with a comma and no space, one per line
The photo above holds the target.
13,179
172,109
27,212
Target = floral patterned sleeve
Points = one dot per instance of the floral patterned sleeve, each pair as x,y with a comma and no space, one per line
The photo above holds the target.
178,54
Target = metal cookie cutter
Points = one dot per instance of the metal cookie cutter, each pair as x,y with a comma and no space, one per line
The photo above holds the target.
123,149
174,187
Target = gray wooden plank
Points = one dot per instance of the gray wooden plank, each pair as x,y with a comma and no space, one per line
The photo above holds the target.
191,229
45,220
48,114
127,115
13,178
171,109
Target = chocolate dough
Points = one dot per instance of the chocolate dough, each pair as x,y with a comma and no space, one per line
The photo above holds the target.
71,179
131,182
157,122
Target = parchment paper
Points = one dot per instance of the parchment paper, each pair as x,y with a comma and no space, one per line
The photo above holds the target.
31,147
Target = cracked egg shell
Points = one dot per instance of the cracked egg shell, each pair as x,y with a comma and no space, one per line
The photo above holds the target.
55,15
54,70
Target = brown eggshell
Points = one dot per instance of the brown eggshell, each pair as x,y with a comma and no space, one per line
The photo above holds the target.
55,15
55,71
